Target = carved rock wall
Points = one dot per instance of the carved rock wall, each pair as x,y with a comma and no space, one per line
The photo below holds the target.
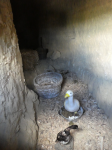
18,105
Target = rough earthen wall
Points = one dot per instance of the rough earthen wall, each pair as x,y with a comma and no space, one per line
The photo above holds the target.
18,128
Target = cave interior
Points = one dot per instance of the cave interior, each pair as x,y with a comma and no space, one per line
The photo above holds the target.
75,37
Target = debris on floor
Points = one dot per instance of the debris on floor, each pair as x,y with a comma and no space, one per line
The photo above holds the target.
94,131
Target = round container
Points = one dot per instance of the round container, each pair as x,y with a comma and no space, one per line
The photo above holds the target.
72,116
48,85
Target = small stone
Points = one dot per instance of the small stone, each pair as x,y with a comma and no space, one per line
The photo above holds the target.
71,123
55,55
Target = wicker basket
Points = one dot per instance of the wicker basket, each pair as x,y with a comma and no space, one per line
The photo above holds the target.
48,85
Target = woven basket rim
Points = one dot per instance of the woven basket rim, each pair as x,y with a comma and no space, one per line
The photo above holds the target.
48,86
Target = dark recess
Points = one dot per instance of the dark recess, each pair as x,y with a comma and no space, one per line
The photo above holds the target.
26,15
33,16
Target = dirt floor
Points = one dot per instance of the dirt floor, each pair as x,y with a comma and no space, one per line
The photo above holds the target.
94,132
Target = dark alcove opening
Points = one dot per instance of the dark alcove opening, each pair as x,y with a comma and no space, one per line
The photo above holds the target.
26,16
34,19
